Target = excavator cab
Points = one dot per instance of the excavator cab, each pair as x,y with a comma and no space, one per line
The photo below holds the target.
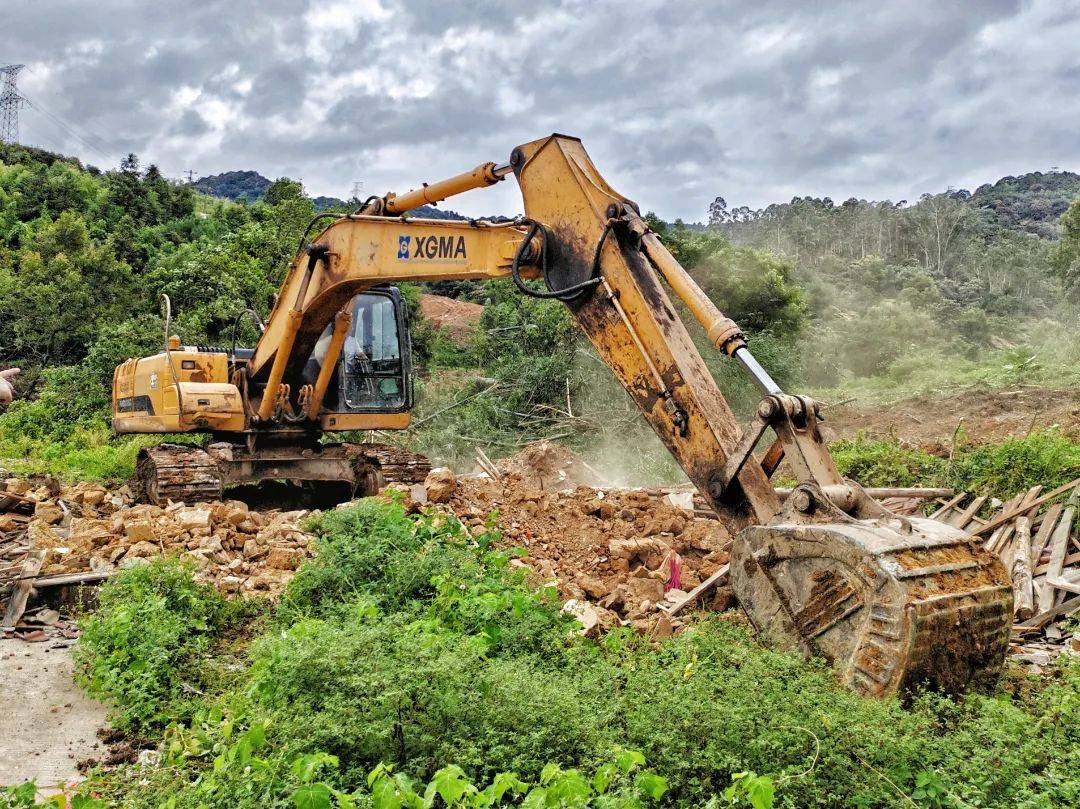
374,370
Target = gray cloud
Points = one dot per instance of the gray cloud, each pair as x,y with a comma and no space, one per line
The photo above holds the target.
676,101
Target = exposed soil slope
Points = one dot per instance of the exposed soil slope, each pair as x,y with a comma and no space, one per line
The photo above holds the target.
985,415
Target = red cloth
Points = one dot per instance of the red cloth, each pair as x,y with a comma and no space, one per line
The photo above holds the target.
674,581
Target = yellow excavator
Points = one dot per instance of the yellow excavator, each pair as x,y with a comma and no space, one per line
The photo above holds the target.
891,601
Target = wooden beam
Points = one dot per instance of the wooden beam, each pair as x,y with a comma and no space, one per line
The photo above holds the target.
21,591
1004,518
962,518
698,591
1023,598
1058,546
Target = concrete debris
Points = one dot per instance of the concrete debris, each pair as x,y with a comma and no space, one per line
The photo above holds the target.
84,532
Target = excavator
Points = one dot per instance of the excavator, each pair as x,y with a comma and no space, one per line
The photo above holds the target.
892,601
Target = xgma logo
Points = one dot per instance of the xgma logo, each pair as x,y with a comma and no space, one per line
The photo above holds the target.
446,248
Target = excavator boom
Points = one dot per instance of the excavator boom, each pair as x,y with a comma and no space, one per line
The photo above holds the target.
891,601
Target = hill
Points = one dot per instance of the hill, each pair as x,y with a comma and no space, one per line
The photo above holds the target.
251,186
234,185
1032,202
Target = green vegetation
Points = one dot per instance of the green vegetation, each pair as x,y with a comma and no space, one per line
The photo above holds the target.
409,660
865,299
1048,458
143,650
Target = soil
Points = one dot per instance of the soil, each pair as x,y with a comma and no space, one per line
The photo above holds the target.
620,553
455,318
984,416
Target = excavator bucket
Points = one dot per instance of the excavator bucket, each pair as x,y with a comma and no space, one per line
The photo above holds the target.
891,602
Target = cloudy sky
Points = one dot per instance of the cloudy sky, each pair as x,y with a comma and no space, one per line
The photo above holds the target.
677,102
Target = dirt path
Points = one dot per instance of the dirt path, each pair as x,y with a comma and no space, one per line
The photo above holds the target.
987,415
47,724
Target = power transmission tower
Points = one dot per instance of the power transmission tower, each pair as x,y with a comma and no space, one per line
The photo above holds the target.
357,189
191,176
10,101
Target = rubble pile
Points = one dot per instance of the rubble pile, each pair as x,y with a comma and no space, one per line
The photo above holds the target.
634,556
84,531
1035,537
547,466
617,556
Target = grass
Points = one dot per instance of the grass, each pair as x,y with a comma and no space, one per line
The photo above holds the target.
408,658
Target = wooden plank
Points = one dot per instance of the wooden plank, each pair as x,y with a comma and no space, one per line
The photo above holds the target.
1059,543
1005,538
1064,584
881,493
963,517
1005,517
17,602
1023,597
947,506
698,591
63,579
996,536
1043,618
1039,540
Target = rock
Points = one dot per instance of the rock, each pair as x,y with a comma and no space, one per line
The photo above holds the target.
683,500
281,558
192,519
440,485
643,589
129,562
139,531
143,549
48,512
9,523
598,508
592,586
99,565
661,629
46,616
586,614
18,486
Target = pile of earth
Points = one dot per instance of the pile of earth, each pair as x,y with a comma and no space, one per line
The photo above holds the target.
618,556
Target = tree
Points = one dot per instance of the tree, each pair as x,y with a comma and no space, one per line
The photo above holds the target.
1066,256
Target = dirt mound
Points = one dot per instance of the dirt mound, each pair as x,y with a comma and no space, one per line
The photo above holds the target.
456,318
617,555
87,528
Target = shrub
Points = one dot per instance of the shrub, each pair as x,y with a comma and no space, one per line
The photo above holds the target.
1046,457
143,648
884,462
